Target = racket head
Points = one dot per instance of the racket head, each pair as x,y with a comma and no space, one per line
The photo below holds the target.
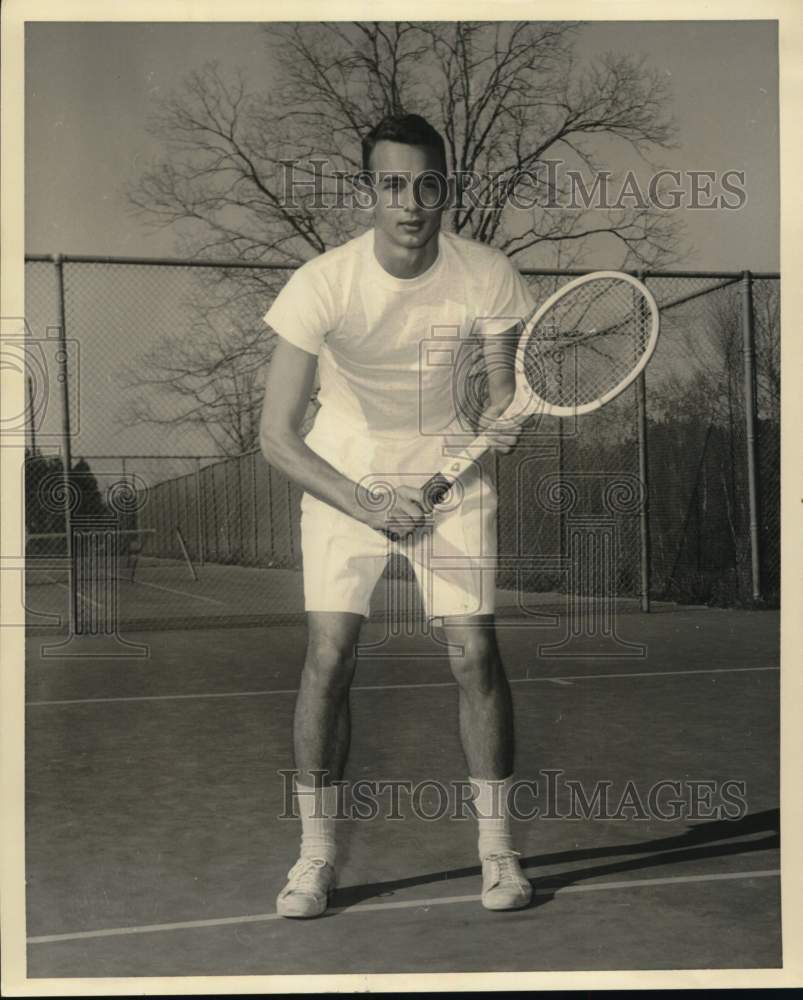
584,346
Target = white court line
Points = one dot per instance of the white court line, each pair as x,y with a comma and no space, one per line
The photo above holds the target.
155,586
395,687
181,593
82,595
405,904
644,673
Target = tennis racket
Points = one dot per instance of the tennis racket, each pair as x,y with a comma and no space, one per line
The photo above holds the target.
579,350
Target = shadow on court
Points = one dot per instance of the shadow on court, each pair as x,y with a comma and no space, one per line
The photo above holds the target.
701,842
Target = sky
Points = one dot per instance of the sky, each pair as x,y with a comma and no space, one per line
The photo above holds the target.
91,86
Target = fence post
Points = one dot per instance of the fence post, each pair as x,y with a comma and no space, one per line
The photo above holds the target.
644,511
290,522
255,505
499,535
63,379
225,468
199,512
749,351
643,472
32,412
131,520
563,543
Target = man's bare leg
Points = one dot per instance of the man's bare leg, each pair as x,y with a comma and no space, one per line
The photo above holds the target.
322,723
486,709
321,736
486,732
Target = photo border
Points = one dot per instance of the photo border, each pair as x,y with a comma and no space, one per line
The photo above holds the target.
12,873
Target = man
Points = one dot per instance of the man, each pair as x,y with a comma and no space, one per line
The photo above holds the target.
362,313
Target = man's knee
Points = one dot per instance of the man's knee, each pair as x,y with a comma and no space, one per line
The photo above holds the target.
475,663
329,663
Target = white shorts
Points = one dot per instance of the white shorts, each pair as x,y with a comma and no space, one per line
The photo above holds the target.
453,557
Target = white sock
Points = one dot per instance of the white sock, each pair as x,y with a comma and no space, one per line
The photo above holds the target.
493,816
318,809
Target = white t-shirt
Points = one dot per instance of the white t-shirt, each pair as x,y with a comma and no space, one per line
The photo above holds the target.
386,346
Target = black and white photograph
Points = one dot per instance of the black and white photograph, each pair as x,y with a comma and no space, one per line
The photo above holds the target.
392,498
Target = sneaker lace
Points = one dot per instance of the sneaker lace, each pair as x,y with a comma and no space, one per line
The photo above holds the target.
506,868
305,873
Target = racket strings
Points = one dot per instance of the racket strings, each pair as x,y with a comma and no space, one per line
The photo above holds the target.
587,343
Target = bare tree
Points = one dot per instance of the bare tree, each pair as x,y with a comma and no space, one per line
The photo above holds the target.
767,326
509,98
212,380
698,438
709,343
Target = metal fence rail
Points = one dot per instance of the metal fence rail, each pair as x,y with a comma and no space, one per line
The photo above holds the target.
685,467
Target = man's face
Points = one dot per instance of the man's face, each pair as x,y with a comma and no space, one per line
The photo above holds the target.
403,192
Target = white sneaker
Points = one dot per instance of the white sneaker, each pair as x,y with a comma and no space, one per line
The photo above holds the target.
504,887
306,894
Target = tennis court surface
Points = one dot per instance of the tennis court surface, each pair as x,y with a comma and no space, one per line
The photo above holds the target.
156,848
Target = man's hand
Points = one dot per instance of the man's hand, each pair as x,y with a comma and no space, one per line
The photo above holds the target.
506,437
406,512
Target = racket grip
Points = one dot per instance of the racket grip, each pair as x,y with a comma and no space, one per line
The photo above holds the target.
435,490
392,535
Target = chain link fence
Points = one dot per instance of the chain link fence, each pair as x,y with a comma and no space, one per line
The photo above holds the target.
145,379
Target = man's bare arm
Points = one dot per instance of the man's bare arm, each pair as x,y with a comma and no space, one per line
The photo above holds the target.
499,356
288,386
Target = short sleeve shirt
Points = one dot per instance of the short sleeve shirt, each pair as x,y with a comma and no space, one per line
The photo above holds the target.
386,346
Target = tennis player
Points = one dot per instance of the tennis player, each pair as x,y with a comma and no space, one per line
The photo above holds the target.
363,314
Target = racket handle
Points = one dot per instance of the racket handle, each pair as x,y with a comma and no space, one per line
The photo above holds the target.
435,490
437,487
392,535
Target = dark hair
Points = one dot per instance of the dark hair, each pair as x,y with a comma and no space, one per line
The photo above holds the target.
413,130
